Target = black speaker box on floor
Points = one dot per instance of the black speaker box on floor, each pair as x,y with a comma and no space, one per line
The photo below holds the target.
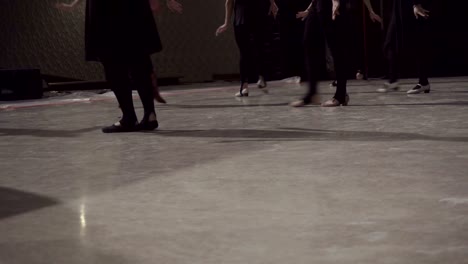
20,84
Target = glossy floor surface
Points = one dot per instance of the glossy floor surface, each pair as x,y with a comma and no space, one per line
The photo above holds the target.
231,181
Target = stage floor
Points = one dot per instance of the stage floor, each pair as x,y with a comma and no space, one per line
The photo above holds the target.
239,181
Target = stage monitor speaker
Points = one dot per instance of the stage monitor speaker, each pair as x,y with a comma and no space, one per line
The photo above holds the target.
20,84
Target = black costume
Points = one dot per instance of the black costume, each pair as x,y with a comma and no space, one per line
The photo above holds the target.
122,34
407,35
292,34
321,30
250,22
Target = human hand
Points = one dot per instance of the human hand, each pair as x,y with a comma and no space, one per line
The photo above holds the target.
223,28
375,18
273,10
335,9
302,15
419,11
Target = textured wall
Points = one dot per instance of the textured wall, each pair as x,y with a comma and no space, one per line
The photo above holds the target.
35,34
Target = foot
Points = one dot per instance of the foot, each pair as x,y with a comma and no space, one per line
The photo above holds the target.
261,83
244,92
294,79
148,123
334,103
301,103
158,98
389,87
420,89
119,127
359,75
156,94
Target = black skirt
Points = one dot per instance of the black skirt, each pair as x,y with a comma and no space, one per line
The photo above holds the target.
120,29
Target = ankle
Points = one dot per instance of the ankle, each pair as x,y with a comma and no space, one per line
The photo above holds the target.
151,117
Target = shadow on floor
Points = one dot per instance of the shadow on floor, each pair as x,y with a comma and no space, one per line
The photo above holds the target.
38,244
297,134
69,251
45,132
14,202
456,103
224,105
246,104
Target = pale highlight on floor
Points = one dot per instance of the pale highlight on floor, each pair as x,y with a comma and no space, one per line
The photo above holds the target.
237,181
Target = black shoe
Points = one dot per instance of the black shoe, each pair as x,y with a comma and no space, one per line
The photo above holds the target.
120,128
333,84
146,125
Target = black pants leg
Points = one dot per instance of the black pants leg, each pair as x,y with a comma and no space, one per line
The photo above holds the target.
118,78
242,34
141,70
336,36
393,43
321,30
421,49
259,38
292,51
314,49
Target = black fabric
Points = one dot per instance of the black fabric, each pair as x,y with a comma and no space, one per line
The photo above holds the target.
247,12
121,74
422,49
408,37
322,30
250,40
292,5
123,28
292,32
424,3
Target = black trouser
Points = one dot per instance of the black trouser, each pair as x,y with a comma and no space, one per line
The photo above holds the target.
421,48
251,56
292,50
320,30
121,74
418,41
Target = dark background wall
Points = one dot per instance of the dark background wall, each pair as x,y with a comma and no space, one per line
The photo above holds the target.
448,40
35,34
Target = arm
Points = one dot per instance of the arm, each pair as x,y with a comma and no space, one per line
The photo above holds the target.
374,17
419,11
304,14
335,8
227,19
273,8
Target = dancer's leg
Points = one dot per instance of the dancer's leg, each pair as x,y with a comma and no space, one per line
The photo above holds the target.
117,76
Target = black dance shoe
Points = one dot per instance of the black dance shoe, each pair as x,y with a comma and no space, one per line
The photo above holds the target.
146,124
119,127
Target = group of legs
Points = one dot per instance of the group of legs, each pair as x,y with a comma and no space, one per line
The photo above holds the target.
122,35
251,56
419,45
321,30
128,64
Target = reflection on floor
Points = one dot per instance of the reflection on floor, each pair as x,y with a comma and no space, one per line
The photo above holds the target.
251,180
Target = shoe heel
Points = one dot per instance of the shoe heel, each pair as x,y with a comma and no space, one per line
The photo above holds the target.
427,91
